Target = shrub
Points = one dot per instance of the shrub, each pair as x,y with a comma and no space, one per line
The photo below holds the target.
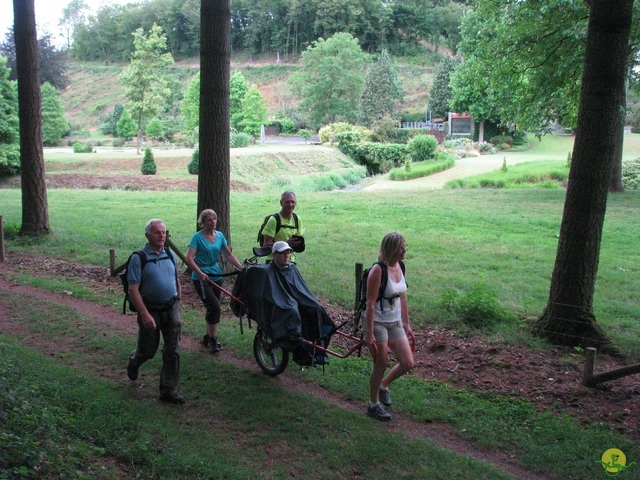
79,147
285,125
505,146
9,159
459,143
376,157
240,140
500,139
484,147
422,147
329,133
631,174
194,167
477,308
384,130
304,133
148,163
337,180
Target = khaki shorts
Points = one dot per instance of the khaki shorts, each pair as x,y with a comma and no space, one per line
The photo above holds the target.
384,331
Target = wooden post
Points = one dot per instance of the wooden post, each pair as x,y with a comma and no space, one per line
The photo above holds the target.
591,379
112,261
1,239
358,272
177,251
589,366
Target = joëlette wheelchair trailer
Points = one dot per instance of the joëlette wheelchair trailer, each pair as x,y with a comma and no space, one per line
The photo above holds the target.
271,357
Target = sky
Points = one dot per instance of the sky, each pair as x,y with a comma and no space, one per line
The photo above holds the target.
48,14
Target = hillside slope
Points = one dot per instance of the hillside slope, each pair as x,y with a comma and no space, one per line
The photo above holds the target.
96,88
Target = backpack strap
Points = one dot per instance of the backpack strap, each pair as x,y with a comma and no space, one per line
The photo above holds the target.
383,281
278,222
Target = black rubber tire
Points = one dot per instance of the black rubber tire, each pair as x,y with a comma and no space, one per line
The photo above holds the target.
273,360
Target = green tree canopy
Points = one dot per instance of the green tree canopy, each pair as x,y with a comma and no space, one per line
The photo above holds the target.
190,107
254,112
9,124
535,79
52,62
126,126
145,79
238,88
54,125
154,129
330,79
440,93
381,90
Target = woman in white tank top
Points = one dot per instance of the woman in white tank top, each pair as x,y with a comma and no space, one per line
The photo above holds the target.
387,324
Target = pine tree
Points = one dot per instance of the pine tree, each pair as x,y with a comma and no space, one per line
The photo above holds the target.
148,163
194,167
440,92
380,92
54,125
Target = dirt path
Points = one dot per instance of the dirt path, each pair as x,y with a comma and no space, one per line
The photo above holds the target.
549,379
111,323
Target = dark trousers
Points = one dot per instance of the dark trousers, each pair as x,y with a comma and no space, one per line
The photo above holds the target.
169,324
211,300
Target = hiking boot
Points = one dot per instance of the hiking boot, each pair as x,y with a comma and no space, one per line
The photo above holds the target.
132,367
205,340
378,412
384,397
173,397
214,345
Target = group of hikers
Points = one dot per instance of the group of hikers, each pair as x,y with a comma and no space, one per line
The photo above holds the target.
155,294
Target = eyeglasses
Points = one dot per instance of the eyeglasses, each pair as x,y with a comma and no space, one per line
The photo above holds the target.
286,252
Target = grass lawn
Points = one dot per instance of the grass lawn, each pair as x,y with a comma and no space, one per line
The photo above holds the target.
482,244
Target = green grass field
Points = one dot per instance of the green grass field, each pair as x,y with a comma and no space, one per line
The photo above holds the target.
239,424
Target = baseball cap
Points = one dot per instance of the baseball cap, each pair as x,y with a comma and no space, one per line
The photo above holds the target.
280,247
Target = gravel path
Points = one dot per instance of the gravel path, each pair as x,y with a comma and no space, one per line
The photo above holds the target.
464,167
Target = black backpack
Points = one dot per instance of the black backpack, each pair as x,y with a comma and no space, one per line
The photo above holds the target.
143,262
383,283
278,225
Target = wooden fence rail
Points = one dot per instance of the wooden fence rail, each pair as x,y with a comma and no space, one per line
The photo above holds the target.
590,379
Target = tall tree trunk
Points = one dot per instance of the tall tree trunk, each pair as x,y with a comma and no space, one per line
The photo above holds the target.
568,318
35,210
214,175
615,181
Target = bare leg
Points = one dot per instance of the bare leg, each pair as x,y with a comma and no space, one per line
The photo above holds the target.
402,350
379,367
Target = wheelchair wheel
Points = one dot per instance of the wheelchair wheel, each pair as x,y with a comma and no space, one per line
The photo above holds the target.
272,359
